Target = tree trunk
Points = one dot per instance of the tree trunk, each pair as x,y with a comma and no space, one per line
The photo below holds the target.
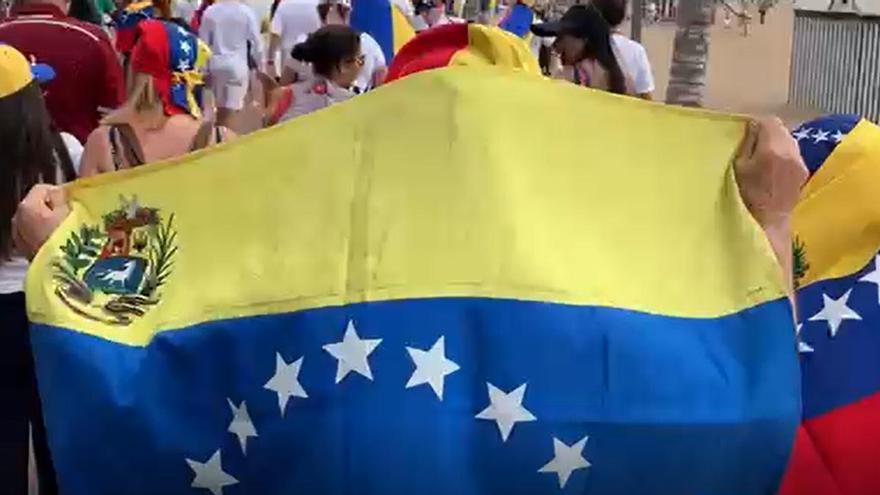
690,56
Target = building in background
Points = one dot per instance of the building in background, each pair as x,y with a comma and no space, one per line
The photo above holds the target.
836,56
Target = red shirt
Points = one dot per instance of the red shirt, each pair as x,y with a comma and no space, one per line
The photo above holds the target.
87,72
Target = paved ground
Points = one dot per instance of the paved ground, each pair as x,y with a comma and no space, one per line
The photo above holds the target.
746,74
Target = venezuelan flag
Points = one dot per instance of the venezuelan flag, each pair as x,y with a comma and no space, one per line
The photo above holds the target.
346,304
384,21
837,247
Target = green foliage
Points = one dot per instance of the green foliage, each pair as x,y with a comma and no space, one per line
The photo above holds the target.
800,265
81,248
161,254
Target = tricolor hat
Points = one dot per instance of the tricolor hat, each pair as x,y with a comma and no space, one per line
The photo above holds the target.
126,22
463,44
16,72
174,57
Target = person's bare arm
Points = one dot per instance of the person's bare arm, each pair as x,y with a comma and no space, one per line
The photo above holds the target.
97,157
770,173
274,46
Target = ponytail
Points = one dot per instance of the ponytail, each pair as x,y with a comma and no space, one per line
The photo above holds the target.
599,46
327,48
607,59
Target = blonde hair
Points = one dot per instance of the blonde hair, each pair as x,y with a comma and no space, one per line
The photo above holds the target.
143,105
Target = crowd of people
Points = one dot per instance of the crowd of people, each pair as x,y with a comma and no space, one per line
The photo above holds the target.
91,87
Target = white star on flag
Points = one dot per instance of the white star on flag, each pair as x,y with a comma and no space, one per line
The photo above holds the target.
874,277
835,311
837,136
431,367
820,136
803,133
210,475
352,353
506,409
566,460
285,382
183,65
802,346
241,425
185,47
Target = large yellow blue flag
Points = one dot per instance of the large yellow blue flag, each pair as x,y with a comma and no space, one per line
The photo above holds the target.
352,303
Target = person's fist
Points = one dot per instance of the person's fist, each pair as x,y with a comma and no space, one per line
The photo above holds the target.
770,172
37,216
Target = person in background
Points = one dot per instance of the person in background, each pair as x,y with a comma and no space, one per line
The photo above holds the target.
32,153
334,52
631,54
229,27
105,9
89,75
374,68
84,10
583,41
430,13
184,10
196,21
292,22
161,118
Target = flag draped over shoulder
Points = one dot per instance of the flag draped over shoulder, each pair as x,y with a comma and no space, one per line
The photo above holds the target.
385,22
837,246
346,304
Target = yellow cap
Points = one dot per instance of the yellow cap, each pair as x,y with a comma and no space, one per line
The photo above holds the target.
15,71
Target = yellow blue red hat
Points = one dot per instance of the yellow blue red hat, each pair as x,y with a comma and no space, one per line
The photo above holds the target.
16,72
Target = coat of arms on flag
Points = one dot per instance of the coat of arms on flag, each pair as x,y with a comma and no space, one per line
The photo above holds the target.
112,272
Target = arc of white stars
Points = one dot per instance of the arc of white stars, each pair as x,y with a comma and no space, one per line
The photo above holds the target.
803,133
432,367
241,425
802,346
837,136
820,136
352,354
835,311
566,460
210,474
506,409
874,277
285,381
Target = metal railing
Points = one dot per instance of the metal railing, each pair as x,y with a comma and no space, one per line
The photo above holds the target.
836,63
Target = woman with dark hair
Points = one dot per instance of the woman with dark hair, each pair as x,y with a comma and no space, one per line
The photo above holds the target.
334,53
32,153
583,41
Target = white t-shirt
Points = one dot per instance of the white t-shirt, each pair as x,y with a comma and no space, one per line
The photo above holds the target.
634,62
74,149
12,274
374,59
293,22
227,27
